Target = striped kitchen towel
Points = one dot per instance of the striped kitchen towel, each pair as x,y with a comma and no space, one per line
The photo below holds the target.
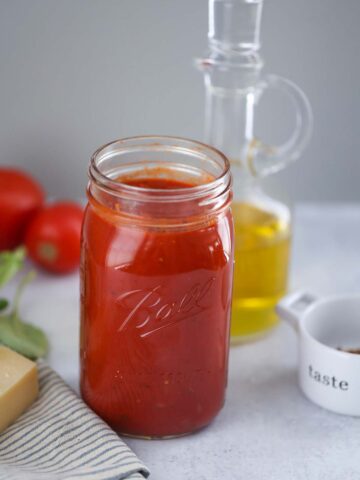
60,438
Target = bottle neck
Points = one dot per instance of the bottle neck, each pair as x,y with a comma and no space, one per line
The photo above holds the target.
234,85
229,124
232,69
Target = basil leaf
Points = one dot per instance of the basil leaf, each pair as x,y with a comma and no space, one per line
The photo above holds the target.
10,264
24,338
3,303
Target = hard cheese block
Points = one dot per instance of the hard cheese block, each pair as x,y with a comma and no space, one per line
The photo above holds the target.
18,385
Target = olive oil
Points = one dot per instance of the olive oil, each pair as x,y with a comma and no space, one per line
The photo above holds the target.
262,244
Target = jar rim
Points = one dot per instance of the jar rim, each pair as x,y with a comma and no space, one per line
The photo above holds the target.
169,143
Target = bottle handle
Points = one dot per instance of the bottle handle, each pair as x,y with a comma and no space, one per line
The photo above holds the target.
266,159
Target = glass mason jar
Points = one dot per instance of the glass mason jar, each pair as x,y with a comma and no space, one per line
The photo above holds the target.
156,284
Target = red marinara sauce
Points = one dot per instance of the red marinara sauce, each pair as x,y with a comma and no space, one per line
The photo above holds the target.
156,298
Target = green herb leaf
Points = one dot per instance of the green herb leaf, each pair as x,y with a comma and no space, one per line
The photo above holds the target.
26,279
3,303
24,338
10,264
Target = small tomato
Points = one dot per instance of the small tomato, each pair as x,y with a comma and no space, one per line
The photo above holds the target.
53,237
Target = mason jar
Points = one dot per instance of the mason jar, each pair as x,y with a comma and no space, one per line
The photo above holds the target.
156,285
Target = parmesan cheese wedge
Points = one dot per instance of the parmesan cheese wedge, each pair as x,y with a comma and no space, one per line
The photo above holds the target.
18,385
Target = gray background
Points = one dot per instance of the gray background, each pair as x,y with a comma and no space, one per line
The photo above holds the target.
78,73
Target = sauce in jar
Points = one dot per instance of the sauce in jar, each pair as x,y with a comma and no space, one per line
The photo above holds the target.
156,296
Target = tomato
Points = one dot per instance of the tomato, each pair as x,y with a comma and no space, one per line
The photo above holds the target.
20,198
53,237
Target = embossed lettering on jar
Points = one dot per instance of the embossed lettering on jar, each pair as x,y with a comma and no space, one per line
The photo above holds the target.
156,281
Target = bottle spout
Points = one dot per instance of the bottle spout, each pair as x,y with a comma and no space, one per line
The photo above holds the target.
234,25
232,59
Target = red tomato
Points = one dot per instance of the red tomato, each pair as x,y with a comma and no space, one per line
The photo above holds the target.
20,198
53,237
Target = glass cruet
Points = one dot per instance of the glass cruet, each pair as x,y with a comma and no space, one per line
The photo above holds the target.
234,85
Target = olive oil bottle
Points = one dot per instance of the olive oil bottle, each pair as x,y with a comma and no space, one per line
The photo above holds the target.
234,85
262,245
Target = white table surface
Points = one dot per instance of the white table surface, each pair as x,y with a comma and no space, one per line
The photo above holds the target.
267,429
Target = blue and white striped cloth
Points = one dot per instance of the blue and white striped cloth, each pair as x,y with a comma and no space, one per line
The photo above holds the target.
60,438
